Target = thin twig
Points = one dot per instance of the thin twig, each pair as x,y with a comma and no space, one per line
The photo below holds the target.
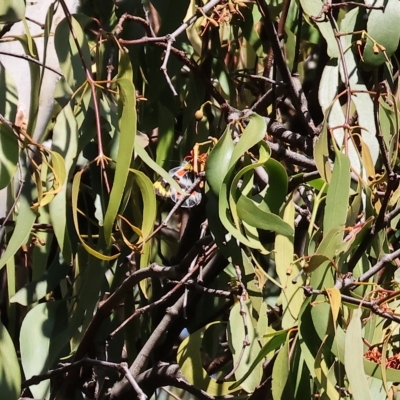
156,303
105,308
32,60
289,155
190,284
391,215
194,68
243,313
385,259
121,367
371,305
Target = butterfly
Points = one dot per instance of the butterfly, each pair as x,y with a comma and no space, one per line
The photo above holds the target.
185,176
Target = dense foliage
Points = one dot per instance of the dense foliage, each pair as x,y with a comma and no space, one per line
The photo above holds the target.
200,209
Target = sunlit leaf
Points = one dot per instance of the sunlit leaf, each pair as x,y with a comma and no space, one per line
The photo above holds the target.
127,128
189,359
281,382
383,31
12,11
240,327
354,358
337,198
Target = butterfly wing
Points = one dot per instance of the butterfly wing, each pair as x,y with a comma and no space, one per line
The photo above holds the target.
162,188
185,177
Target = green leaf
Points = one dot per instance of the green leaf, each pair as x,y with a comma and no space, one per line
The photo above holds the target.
277,185
74,199
24,222
142,153
166,135
42,337
217,165
189,359
274,342
383,28
11,11
149,201
252,135
281,384
69,55
292,294
65,143
149,216
238,330
250,212
337,199
354,356
127,128
312,8
9,150
10,373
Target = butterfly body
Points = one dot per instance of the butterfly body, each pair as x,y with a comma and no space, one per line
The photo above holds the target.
185,176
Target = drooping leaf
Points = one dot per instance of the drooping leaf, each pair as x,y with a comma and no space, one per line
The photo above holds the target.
9,150
281,383
127,128
337,198
292,295
354,358
75,191
42,338
23,226
65,143
68,54
240,327
274,342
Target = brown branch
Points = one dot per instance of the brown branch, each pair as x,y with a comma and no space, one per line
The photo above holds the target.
156,303
32,60
190,284
122,390
163,375
279,131
385,259
371,305
64,368
107,307
296,158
